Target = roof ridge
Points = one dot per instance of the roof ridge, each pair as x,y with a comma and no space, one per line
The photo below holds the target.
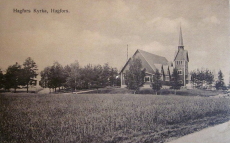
150,53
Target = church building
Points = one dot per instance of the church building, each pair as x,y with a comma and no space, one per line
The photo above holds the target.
151,62
181,61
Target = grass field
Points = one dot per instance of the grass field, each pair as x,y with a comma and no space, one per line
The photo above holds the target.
106,117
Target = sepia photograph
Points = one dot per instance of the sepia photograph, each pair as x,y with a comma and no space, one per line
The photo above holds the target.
114,71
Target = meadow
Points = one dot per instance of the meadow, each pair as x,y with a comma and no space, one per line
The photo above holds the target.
106,117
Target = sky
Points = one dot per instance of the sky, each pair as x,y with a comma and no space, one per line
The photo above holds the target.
98,31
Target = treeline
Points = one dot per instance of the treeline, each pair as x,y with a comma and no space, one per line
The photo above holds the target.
19,75
75,77
205,79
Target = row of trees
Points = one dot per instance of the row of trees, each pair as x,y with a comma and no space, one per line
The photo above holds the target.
205,79
19,75
75,77
202,78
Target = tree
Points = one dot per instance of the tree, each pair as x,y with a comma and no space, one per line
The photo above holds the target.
86,76
175,83
209,77
193,78
202,78
13,77
56,76
29,72
45,78
73,75
105,75
118,80
113,77
220,82
134,77
156,82
98,79
66,72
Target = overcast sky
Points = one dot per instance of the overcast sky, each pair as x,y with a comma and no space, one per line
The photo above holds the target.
98,31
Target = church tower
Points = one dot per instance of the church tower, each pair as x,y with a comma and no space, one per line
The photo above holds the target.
181,61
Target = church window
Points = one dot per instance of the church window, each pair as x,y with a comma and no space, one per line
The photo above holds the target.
179,62
179,72
147,79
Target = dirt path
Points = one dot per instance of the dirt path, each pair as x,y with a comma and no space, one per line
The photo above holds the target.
84,91
47,90
44,91
217,134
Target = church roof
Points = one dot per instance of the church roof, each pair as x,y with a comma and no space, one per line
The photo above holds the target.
159,67
152,61
181,54
180,38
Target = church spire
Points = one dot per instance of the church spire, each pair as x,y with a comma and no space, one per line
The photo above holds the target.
180,46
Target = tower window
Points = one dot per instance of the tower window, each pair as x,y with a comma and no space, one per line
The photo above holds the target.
179,72
179,62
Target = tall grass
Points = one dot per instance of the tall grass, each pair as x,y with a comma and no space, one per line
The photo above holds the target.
98,118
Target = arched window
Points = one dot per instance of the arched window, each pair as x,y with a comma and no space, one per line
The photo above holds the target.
147,78
179,72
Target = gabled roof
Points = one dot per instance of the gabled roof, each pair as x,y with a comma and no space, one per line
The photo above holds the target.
159,67
181,54
125,65
154,61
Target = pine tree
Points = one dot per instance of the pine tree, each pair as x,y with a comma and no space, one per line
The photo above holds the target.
29,72
45,78
13,77
56,76
175,83
156,82
73,76
134,77
220,82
